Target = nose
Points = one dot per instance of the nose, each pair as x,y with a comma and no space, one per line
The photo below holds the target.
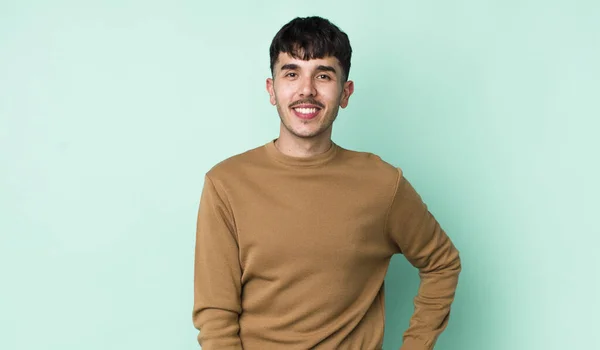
307,87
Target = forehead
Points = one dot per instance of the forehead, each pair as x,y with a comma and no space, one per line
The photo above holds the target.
285,58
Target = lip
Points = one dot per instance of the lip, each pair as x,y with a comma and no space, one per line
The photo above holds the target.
306,105
306,116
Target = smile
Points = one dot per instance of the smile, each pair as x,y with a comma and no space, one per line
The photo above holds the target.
305,110
306,113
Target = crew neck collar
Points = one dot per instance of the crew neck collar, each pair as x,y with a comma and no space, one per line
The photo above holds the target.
311,161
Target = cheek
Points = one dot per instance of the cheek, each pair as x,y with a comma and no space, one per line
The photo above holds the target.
331,95
284,96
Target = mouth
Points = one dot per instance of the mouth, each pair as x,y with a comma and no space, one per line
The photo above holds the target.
306,112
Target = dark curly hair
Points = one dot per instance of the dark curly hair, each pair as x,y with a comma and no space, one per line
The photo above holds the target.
309,38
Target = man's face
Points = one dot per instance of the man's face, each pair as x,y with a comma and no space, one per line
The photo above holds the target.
308,94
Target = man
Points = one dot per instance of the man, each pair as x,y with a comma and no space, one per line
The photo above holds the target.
294,237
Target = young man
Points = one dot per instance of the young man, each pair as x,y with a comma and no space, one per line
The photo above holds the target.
294,237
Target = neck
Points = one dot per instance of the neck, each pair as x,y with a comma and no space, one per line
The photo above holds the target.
302,148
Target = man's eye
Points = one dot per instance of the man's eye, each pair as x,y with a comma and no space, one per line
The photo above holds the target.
324,77
291,75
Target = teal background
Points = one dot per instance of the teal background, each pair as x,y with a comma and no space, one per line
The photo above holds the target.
111,112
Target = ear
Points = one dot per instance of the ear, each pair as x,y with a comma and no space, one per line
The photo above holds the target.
348,90
271,91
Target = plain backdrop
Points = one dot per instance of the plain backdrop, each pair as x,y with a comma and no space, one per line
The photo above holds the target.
112,111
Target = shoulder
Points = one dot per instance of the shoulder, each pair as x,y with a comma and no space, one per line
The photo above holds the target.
370,162
236,164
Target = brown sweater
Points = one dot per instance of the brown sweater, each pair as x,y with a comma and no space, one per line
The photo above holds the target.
291,253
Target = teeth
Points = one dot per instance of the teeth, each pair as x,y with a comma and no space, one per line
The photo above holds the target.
306,110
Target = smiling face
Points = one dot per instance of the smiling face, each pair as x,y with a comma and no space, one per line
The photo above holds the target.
308,95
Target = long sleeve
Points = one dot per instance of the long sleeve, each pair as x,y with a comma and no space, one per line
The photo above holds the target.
217,273
426,246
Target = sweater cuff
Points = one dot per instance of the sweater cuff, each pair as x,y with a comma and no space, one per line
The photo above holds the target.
415,344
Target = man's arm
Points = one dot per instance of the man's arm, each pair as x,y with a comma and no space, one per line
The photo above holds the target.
427,247
217,273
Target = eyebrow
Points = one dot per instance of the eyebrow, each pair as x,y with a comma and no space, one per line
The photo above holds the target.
326,69
321,68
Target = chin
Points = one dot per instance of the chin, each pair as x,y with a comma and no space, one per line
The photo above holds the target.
308,133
